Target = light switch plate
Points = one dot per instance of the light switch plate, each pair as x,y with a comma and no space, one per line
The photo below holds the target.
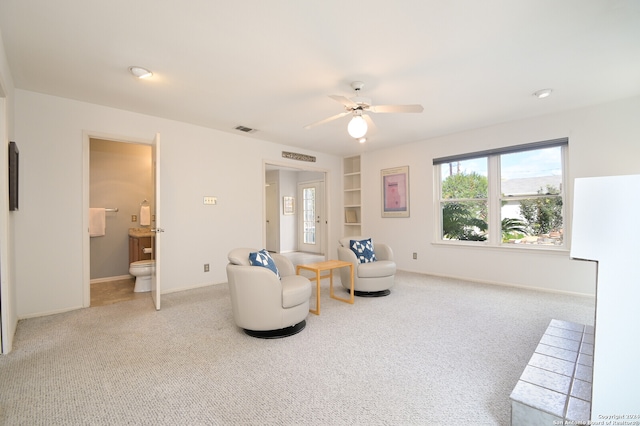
210,200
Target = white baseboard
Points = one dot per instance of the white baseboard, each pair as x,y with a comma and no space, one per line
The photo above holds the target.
176,290
47,313
107,279
502,284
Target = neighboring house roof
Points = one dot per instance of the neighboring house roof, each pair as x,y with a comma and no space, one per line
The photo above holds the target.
528,186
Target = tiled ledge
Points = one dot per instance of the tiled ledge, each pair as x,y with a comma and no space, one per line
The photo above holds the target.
556,384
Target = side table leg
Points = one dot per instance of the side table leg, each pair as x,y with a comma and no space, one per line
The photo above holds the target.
352,289
333,296
317,312
330,282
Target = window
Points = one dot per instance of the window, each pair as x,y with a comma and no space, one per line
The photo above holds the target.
464,203
504,196
309,215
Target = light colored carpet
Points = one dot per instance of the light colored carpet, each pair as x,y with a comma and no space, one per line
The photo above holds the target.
436,351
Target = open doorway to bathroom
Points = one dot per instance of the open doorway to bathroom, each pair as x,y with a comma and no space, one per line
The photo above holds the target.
120,182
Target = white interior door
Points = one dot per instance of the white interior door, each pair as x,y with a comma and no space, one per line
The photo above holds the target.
311,217
273,213
157,241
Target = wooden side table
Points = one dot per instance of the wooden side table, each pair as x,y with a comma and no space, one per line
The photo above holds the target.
320,267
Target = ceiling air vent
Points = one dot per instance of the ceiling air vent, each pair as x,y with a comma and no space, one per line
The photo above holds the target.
246,129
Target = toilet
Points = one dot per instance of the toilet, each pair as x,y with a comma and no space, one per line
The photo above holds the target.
142,271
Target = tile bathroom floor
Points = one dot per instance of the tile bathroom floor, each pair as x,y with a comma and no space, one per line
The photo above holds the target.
106,293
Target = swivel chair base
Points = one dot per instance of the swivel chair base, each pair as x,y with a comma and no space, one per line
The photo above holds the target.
277,334
380,293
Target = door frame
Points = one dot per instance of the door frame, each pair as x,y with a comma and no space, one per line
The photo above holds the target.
271,209
8,304
87,135
299,168
156,287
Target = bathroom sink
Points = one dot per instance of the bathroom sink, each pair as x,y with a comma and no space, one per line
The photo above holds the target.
140,232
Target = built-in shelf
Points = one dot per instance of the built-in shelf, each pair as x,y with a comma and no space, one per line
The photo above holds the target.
352,200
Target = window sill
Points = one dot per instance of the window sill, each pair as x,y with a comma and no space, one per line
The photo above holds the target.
523,248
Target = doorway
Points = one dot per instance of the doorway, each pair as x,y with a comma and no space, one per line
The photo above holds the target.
285,209
119,178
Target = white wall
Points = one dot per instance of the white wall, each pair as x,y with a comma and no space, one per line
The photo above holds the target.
196,162
603,140
288,223
598,203
199,161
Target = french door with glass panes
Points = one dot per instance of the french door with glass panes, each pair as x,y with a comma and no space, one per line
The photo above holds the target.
311,220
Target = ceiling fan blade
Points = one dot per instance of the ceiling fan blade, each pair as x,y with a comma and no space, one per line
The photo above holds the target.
370,124
396,108
326,120
348,103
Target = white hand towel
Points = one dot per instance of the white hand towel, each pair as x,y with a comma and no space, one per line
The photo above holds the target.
97,222
145,216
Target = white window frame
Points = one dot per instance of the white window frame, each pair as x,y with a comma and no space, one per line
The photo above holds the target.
494,196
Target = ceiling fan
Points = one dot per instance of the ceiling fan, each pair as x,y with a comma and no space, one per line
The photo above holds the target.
357,106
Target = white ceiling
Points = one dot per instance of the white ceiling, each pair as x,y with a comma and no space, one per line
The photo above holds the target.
270,65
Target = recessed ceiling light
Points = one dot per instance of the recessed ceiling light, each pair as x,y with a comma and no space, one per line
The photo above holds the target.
140,72
542,93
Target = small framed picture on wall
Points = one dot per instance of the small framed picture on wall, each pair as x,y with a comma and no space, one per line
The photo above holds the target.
288,205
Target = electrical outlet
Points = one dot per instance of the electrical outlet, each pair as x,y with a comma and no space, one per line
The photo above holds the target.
206,267
134,218
415,255
210,200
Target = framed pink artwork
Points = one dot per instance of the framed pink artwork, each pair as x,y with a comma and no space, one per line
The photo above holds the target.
395,192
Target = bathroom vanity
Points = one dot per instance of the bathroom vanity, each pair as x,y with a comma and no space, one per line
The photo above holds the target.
140,239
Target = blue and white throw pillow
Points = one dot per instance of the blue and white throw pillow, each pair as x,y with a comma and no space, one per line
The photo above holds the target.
363,250
264,259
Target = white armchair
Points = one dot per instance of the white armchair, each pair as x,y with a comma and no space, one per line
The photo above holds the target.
264,305
371,279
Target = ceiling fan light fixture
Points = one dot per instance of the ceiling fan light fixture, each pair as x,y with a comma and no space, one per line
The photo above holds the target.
542,93
140,72
357,127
